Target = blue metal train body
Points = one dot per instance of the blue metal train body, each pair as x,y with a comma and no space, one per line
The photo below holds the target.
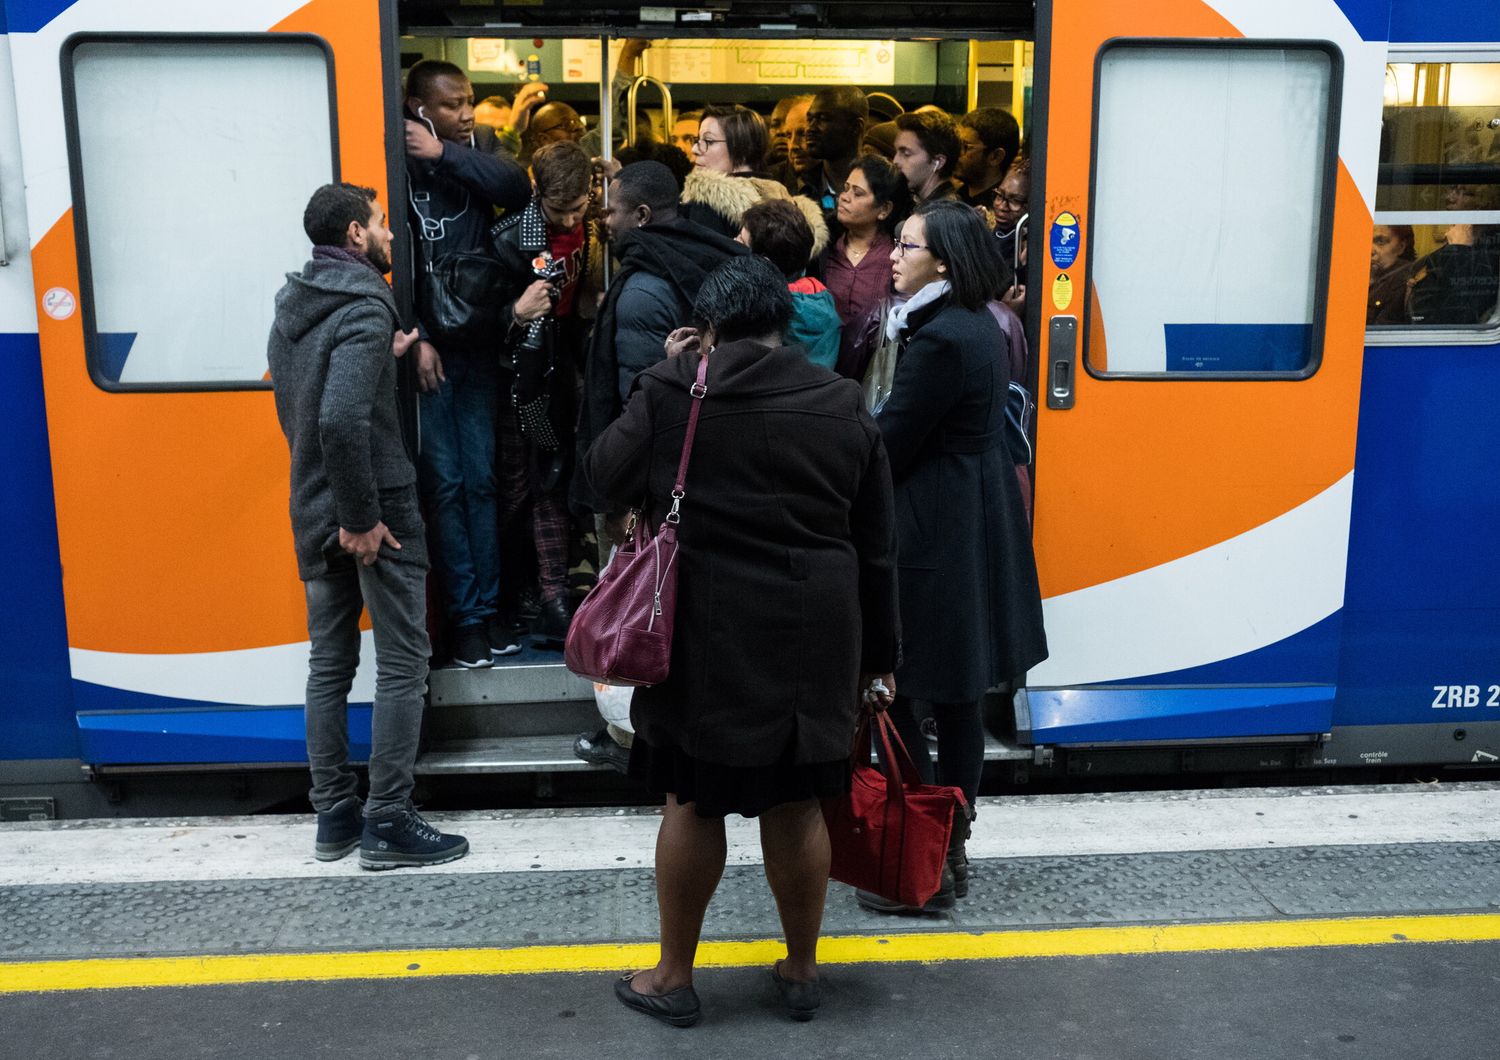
1413,656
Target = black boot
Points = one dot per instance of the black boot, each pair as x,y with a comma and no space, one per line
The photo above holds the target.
958,856
550,629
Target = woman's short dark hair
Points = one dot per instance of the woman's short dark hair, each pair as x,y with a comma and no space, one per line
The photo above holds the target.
745,136
887,185
1406,235
957,237
331,208
746,297
780,234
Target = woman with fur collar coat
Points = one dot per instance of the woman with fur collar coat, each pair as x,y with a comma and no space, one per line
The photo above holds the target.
727,154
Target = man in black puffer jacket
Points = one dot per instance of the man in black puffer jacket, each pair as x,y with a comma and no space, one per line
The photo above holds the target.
356,527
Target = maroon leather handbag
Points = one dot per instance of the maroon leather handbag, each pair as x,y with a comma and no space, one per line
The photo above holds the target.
622,632
890,833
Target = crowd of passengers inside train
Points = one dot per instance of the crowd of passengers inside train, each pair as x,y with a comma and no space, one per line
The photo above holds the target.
513,393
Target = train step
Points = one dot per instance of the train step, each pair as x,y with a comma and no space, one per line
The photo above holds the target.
553,753
549,753
531,677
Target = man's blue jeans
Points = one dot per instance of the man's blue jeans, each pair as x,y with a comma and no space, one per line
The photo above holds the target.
458,484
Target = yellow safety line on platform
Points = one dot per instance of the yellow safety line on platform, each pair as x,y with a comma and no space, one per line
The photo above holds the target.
110,973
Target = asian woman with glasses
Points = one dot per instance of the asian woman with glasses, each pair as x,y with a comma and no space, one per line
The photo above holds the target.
971,611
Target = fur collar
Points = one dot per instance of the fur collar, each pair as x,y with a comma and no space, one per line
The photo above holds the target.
730,197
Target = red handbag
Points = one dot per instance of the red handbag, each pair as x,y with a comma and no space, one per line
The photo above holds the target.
890,833
622,632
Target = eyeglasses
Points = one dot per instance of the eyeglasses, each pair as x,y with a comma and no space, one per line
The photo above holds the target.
903,248
1017,202
706,142
567,128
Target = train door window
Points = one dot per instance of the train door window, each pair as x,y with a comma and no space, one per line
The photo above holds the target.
1435,254
1211,201
191,160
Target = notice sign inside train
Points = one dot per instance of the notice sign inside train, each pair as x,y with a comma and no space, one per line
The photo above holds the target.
750,62
1064,240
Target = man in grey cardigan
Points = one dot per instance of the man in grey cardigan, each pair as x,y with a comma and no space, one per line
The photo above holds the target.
356,526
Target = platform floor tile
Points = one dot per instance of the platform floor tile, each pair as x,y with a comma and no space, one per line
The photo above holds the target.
431,909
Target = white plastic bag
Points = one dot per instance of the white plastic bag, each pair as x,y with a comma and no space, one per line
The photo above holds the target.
613,701
614,705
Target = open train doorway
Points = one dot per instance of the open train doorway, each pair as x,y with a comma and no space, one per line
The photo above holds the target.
635,89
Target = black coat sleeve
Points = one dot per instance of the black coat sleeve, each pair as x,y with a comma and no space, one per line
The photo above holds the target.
927,384
618,464
518,276
499,181
873,526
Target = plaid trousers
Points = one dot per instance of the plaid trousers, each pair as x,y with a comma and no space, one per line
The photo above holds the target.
549,513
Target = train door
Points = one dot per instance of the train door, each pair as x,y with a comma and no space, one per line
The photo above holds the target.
169,149
1200,245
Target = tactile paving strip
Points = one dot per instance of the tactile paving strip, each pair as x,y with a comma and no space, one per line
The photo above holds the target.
416,909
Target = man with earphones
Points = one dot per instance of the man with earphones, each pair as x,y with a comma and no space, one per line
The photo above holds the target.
927,150
457,178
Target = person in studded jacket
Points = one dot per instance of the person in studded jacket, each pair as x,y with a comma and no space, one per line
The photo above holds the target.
547,252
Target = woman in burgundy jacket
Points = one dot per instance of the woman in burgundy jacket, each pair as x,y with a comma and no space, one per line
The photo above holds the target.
857,268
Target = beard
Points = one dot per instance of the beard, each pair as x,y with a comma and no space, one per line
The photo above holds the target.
380,257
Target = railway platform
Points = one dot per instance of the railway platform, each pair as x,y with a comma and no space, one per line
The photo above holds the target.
1315,922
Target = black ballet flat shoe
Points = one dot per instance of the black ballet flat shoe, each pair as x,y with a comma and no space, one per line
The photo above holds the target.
800,998
678,1007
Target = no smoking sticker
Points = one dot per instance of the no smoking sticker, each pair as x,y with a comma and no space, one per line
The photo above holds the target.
59,303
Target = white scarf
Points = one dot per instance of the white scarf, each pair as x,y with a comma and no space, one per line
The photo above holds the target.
896,322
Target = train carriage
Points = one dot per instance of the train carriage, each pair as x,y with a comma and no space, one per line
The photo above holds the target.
1261,521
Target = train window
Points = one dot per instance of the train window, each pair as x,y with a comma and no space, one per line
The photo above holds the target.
192,159
1435,254
1212,167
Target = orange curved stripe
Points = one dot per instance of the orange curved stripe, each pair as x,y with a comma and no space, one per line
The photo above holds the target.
1140,473
354,32
172,508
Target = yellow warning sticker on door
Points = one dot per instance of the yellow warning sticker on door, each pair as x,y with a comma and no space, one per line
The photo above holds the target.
1062,291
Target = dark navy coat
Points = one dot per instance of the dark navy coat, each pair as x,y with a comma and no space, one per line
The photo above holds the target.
971,611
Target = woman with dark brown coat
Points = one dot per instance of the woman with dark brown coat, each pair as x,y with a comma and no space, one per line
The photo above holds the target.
786,608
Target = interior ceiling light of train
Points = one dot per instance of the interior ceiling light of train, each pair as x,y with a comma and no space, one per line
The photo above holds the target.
986,17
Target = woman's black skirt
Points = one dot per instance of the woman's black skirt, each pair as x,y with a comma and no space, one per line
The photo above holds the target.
718,790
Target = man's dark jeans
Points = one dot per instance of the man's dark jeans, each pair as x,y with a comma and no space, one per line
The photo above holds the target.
458,484
396,595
